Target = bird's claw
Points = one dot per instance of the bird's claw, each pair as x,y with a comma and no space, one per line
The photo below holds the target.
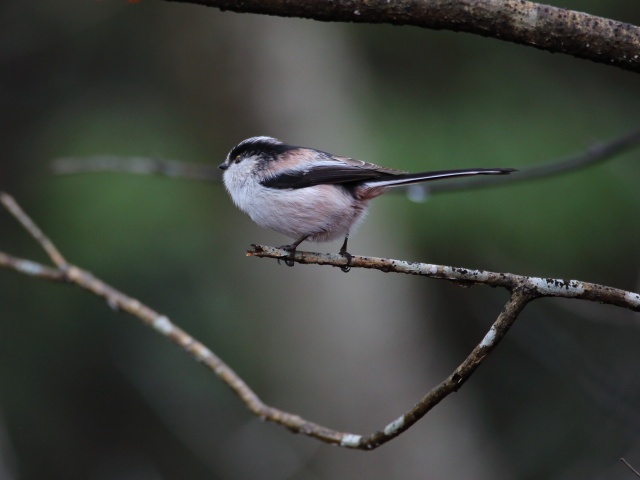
288,259
346,267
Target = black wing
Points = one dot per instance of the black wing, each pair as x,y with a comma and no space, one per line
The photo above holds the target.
323,174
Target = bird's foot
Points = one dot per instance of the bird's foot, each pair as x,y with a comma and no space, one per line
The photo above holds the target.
288,259
347,267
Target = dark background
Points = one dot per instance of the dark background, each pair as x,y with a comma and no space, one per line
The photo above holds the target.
89,393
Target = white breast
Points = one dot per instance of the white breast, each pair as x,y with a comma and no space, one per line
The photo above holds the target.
324,212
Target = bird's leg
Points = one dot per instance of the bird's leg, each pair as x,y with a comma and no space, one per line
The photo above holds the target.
345,254
288,260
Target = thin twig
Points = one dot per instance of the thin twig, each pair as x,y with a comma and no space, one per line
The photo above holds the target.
33,269
11,205
637,474
594,155
540,287
136,165
518,301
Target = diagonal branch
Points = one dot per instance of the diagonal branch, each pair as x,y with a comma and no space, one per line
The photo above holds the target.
527,23
518,301
48,246
635,472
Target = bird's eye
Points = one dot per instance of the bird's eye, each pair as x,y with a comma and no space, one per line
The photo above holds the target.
238,159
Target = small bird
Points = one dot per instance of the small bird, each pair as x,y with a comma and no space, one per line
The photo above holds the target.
308,194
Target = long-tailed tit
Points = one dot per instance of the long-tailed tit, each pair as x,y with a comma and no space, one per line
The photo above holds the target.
308,194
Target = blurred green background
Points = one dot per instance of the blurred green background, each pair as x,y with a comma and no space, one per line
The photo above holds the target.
89,393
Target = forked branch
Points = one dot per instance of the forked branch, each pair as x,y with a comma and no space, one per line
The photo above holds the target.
523,290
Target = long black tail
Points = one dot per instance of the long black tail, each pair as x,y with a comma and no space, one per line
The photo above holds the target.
409,178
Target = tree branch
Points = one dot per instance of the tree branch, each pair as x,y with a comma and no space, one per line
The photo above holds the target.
136,165
597,153
538,287
523,290
518,301
30,268
630,467
48,246
527,23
